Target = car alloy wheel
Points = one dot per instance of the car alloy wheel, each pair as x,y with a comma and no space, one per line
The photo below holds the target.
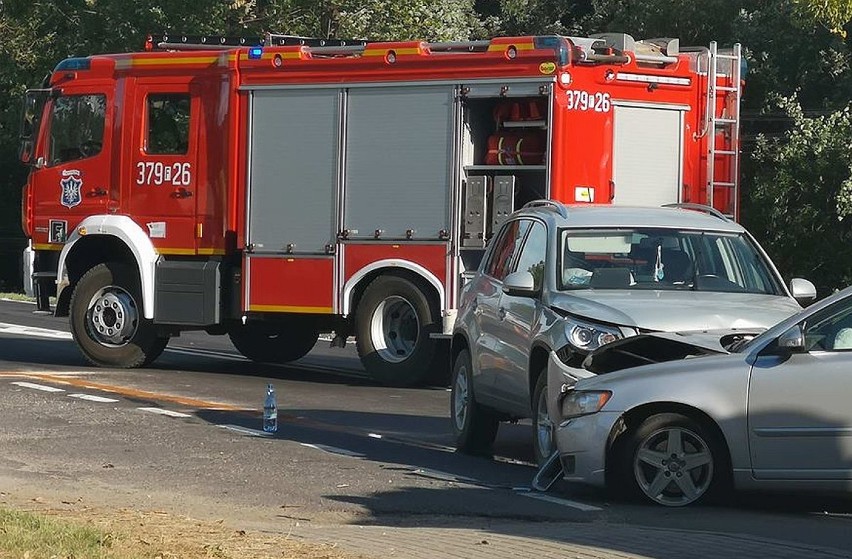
673,466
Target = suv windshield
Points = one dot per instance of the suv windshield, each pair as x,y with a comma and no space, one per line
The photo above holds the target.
647,258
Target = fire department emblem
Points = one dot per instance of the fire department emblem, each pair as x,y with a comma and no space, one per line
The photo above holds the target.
71,187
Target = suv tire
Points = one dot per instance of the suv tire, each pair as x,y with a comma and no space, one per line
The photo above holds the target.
474,426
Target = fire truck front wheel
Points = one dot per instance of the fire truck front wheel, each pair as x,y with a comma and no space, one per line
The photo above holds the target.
392,326
107,321
274,342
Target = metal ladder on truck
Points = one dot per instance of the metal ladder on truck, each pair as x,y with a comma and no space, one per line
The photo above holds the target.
725,120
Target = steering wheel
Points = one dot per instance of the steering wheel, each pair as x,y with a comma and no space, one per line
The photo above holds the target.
90,148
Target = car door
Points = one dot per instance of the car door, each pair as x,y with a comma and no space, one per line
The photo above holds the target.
489,356
799,416
517,316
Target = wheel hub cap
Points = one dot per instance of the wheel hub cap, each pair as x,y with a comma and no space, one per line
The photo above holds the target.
395,329
112,316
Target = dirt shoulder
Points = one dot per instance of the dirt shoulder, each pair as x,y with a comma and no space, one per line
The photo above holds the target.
158,532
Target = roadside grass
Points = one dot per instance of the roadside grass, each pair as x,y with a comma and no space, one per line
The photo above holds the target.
87,533
16,297
24,534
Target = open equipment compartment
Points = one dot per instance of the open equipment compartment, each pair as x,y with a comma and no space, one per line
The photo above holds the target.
505,156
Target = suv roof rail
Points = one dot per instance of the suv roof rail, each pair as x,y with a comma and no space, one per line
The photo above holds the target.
698,208
548,204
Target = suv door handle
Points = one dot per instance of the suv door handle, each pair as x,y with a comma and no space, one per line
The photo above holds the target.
501,312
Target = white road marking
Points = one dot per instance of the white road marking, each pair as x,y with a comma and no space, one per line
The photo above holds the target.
49,374
564,502
92,398
169,413
334,450
16,329
246,431
206,353
41,387
374,435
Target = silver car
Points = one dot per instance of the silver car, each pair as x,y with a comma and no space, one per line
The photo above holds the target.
565,280
774,414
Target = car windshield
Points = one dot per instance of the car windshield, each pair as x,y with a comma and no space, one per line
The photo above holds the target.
670,259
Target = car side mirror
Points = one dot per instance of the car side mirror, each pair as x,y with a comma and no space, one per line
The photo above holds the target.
520,284
791,341
803,291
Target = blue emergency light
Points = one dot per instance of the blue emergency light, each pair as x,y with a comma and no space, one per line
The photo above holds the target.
255,53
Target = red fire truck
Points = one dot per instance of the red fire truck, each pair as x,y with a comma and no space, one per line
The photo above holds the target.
277,192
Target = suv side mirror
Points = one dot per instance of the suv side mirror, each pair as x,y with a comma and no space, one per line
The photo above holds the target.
520,284
803,291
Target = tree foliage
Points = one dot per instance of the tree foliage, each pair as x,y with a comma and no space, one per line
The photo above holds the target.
834,14
795,49
801,200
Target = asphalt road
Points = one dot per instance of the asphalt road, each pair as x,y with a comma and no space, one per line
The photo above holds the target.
185,434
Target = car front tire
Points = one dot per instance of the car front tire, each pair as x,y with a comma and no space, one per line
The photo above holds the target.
672,460
474,426
543,444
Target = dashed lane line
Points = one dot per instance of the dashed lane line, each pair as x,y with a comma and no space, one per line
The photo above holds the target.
34,386
246,430
35,331
52,374
135,393
93,398
162,411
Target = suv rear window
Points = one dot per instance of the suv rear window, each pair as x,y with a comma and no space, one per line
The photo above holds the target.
663,259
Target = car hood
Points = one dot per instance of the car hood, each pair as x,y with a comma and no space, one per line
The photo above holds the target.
677,311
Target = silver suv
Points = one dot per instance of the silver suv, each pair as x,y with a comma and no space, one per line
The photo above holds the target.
572,278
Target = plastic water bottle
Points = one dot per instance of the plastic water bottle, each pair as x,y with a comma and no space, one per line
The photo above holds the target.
270,410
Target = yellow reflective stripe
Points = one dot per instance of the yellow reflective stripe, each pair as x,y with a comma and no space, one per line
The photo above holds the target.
42,246
384,51
175,61
291,308
504,46
211,251
180,251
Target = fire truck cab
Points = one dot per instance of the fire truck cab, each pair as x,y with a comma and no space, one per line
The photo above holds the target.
277,192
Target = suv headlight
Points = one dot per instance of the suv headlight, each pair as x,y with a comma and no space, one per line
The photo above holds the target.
589,337
583,402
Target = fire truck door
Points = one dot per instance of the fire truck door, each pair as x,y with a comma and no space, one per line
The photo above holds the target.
164,165
647,155
72,178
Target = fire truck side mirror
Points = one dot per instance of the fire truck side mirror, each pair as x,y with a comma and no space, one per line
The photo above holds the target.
25,152
34,105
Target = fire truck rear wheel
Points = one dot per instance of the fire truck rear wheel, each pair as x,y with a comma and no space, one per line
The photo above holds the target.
107,320
274,342
392,326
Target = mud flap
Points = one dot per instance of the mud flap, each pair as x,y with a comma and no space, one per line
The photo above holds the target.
549,473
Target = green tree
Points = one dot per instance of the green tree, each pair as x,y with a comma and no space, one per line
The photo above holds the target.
800,202
834,14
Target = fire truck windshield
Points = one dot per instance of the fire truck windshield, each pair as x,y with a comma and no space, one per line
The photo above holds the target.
76,127
31,117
